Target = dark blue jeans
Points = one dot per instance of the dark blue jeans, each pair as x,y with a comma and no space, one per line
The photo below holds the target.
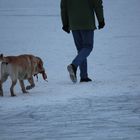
84,44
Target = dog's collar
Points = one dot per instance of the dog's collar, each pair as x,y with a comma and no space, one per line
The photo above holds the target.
42,72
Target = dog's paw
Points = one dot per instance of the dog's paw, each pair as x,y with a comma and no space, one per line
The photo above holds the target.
13,95
29,87
25,91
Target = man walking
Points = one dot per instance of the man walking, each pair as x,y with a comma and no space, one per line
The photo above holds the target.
79,17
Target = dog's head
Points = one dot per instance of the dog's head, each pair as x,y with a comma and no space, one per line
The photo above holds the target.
39,68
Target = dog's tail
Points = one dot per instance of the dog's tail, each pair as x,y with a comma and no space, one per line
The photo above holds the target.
1,60
1,57
4,59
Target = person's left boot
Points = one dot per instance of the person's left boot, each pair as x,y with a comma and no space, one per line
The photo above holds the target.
85,80
72,72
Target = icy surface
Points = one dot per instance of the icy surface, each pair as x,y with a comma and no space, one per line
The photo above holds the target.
106,109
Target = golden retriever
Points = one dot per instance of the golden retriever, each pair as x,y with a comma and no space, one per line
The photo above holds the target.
20,68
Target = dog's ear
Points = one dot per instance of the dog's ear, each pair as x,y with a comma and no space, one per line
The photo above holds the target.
39,63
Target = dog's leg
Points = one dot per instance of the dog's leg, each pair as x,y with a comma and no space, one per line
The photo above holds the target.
32,84
1,90
12,87
22,86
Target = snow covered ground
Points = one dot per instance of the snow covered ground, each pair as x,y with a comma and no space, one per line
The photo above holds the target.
106,109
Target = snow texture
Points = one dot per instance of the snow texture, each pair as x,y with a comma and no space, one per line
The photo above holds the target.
106,109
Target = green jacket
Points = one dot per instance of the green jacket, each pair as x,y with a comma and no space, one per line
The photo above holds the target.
80,14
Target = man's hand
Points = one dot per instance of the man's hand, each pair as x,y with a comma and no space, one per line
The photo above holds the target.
101,24
66,29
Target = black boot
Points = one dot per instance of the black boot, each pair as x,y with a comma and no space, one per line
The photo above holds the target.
72,72
85,80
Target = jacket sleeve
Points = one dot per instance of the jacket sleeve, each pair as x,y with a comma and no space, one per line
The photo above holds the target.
98,8
64,14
